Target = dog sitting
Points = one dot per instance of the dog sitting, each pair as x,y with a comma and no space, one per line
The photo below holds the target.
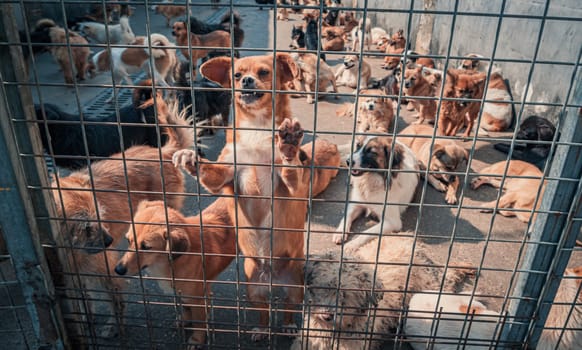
297,38
415,84
333,39
361,31
255,109
79,53
361,312
375,112
372,183
202,246
446,157
226,24
312,41
95,204
536,129
170,11
520,193
482,323
308,76
349,73
130,60
390,84
393,47
112,33
191,43
454,114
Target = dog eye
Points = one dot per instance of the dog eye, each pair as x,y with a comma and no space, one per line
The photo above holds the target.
144,246
237,75
263,73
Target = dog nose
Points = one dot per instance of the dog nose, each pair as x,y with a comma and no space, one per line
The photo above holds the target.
120,269
407,84
248,82
107,239
173,33
370,107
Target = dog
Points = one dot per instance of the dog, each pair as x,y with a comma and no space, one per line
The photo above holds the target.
445,157
349,73
282,12
454,114
297,38
533,128
415,84
65,131
482,326
390,84
79,54
255,109
309,75
312,41
520,193
229,22
94,204
371,183
333,39
360,31
393,47
362,311
130,60
375,112
208,237
170,11
112,33
216,39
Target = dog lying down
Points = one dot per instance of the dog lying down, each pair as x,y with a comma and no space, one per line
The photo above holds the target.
369,310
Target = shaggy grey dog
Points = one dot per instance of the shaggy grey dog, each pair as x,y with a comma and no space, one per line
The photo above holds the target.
360,312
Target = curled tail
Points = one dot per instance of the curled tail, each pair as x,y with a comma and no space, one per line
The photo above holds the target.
177,125
160,44
236,20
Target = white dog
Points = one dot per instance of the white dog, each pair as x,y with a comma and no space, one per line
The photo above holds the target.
371,181
118,33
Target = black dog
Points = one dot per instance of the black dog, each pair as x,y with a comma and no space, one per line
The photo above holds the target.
66,134
200,27
331,18
312,41
533,128
207,104
297,38
389,84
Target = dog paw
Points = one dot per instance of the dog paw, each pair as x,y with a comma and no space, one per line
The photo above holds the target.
339,238
186,159
259,334
290,329
451,198
476,183
288,139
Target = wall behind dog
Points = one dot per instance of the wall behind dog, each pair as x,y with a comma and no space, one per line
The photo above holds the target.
561,40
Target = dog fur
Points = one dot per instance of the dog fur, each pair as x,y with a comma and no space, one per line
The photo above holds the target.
170,11
112,33
370,309
195,261
393,47
333,39
94,204
216,39
349,72
520,193
415,58
255,110
360,31
199,27
415,84
371,181
309,75
445,157
454,114
375,112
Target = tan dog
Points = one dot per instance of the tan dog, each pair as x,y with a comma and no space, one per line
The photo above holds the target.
215,39
415,84
446,157
308,75
149,238
254,109
349,72
170,11
79,54
333,39
455,114
375,112
520,193
95,205
393,47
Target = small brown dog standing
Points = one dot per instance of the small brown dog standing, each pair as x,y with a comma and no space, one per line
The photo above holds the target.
215,39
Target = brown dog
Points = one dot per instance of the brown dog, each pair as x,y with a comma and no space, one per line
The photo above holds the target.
454,114
333,39
375,113
96,212
170,11
394,47
415,84
520,193
446,157
192,272
270,240
309,75
216,39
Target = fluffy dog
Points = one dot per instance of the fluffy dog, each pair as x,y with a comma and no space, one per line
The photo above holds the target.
216,39
130,60
309,75
210,107
112,33
170,11
415,84
536,129
79,54
94,204
254,109
361,312
373,185
349,73
226,24
297,38
333,39
520,193
482,323
65,131
455,114
193,272
446,156
375,112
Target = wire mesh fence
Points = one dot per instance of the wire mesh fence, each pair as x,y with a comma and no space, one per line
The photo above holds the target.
291,174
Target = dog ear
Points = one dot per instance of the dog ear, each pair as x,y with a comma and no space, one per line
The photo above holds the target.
217,70
178,242
397,156
452,76
475,63
286,67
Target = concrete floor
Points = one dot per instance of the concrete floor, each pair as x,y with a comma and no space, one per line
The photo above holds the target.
468,236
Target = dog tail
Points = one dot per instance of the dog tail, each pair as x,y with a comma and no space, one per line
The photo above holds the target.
44,23
159,44
177,124
236,20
